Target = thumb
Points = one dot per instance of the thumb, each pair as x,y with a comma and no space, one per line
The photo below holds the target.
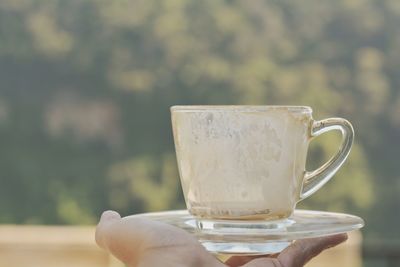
301,251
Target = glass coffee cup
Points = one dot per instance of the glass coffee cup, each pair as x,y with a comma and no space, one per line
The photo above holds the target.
248,162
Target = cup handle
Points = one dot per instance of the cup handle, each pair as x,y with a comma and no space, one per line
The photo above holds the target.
314,180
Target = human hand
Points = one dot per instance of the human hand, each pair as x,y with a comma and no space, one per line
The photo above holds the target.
140,242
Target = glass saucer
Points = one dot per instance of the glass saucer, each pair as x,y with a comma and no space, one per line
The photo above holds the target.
258,237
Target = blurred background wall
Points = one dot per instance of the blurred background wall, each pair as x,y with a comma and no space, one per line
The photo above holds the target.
86,86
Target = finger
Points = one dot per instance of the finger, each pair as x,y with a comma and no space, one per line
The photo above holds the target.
301,251
107,218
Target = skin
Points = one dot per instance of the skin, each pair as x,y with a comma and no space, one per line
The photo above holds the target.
140,242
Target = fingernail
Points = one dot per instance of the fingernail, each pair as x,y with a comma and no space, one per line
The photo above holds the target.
109,215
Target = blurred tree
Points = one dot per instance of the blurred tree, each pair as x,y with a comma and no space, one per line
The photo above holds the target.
85,88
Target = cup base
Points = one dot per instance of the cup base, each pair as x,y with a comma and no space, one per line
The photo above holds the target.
265,215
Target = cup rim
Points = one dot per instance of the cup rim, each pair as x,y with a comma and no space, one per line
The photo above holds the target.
240,108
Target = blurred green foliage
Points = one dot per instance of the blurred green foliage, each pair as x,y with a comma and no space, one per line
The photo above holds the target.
85,88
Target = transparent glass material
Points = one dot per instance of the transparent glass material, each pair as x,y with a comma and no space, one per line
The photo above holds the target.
248,162
258,237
